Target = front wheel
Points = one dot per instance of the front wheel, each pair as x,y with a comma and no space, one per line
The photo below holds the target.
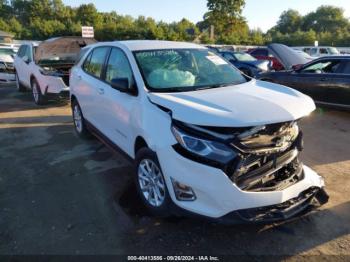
79,121
38,97
150,182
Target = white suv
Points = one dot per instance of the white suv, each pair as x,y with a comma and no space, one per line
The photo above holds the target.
201,135
44,68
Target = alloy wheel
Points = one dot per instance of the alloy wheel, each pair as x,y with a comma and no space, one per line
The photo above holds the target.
151,182
35,92
17,83
78,120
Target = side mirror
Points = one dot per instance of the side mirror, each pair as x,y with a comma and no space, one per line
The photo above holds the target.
25,59
297,67
121,84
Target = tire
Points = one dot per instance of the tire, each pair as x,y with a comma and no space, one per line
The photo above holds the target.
19,86
151,185
38,97
79,121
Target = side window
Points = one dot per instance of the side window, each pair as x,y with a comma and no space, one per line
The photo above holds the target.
260,52
81,54
345,68
118,67
95,61
324,66
28,53
22,50
313,51
323,51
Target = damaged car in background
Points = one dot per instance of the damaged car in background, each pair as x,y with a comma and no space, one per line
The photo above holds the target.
202,135
44,68
326,79
7,72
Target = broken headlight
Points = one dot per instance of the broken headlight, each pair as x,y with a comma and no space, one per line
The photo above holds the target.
211,150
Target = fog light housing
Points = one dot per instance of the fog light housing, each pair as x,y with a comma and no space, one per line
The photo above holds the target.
182,191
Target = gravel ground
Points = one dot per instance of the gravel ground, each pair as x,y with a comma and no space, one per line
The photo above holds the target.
63,195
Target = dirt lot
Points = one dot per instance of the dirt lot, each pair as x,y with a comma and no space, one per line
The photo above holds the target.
62,195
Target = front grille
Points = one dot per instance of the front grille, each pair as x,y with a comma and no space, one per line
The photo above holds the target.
268,173
267,139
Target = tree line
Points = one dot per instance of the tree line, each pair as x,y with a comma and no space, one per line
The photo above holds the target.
42,19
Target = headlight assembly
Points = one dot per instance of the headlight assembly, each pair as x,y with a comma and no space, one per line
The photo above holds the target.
211,150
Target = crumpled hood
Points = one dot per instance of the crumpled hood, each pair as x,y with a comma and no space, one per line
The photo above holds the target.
61,47
6,58
249,104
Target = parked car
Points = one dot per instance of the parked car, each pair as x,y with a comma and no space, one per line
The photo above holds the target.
265,54
7,72
44,68
202,135
305,55
326,79
246,63
324,51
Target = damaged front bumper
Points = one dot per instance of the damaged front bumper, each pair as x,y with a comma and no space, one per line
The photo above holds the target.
217,195
265,182
307,201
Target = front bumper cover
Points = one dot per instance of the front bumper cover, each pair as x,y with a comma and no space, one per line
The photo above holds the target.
217,196
307,201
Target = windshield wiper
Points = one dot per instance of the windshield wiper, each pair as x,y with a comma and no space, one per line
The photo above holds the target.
213,86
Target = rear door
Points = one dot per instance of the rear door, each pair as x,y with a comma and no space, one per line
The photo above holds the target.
118,107
338,85
88,86
318,79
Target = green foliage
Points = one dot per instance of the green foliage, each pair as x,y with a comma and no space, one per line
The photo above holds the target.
327,25
226,17
42,19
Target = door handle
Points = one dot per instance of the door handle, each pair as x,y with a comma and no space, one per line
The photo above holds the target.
79,77
101,90
323,79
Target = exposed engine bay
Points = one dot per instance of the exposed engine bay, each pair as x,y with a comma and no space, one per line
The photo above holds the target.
57,56
267,156
7,68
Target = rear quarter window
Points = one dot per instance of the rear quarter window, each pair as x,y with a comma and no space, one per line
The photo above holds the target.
94,63
81,55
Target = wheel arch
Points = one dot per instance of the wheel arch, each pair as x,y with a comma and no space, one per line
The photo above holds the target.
140,142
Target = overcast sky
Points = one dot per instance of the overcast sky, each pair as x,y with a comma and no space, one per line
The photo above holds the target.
259,14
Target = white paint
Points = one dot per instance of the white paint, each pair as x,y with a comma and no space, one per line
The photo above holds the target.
123,117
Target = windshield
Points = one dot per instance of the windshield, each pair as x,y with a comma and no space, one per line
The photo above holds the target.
333,51
7,51
244,57
177,70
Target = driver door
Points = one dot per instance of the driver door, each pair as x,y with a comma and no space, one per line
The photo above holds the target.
316,79
23,67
